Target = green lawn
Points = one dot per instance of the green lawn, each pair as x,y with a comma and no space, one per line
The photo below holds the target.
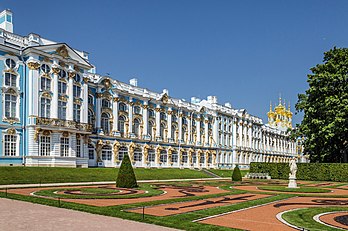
301,189
227,172
32,175
304,218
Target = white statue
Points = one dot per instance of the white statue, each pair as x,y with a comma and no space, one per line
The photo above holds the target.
292,174
293,168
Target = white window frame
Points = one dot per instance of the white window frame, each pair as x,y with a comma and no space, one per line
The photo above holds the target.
47,112
17,144
16,106
64,146
44,146
78,148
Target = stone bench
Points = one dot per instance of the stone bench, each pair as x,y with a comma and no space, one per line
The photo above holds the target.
258,176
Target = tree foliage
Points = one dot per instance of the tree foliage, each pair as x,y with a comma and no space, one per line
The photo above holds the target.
126,177
325,107
236,175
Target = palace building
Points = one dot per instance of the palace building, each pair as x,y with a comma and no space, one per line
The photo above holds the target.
56,111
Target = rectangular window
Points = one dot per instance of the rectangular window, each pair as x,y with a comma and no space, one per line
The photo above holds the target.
10,80
91,153
61,87
77,112
10,146
77,91
45,84
78,148
10,106
151,156
64,146
45,145
45,107
62,110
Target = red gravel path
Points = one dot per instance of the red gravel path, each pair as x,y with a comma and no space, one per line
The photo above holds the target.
184,207
264,217
329,219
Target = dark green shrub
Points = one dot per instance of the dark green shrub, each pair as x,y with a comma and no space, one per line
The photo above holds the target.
236,175
305,171
126,177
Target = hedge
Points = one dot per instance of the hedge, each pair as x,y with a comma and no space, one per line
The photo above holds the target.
236,175
126,177
305,171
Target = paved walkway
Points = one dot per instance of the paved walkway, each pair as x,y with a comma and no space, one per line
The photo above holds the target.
19,215
104,182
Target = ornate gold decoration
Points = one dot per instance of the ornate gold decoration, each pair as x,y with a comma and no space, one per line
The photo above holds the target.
11,131
107,83
55,70
62,64
65,134
116,148
131,151
76,68
146,153
46,94
99,147
78,136
46,132
63,98
36,134
85,79
33,65
71,74
62,51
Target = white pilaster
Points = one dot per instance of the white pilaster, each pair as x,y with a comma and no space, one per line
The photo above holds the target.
70,104
84,109
54,103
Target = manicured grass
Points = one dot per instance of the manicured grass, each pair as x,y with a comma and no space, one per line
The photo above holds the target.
151,191
37,175
301,190
304,218
226,172
180,221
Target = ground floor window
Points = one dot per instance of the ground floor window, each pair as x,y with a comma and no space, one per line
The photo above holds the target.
138,155
106,152
151,156
10,145
201,159
194,158
78,148
122,152
210,157
64,146
163,156
175,157
184,157
45,145
90,152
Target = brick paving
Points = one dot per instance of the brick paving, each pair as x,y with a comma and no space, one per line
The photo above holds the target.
23,216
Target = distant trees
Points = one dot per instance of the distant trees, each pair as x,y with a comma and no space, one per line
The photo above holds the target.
325,107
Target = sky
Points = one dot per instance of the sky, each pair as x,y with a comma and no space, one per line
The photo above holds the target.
244,52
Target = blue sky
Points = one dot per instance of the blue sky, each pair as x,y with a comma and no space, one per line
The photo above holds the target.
244,52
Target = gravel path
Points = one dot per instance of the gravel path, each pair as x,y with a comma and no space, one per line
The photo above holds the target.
19,215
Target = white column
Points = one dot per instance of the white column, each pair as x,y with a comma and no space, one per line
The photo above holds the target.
130,117
189,128
158,121
70,105
250,132
98,111
215,131
169,122
33,81
145,120
240,132
115,115
84,109
206,132
234,133
198,128
54,103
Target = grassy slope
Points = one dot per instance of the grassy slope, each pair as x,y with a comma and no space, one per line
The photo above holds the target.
27,175
227,172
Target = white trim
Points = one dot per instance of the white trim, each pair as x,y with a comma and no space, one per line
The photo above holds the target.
5,132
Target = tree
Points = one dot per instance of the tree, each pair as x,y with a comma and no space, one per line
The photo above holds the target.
236,175
126,177
325,107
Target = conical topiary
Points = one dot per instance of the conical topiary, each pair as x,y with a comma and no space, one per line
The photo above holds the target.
236,175
126,177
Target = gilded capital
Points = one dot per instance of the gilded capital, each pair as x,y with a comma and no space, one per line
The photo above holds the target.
55,70
33,65
72,74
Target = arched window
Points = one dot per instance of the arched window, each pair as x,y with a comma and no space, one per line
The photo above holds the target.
162,127
184,120
45,107
61,110
121,122
62,87
45,145
90,152
174,118
90,117
151,113
138,155
136,127
175,157
10,80
106,152
62,74
184,157
106,103
173,131
45,68
45,83
202,159
163,116
90,100
150,127
163,156
151,156
77,91
77,78
183,130
122,152
77,112
10,105
10,63
137,110
105,125
194,158
122,107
